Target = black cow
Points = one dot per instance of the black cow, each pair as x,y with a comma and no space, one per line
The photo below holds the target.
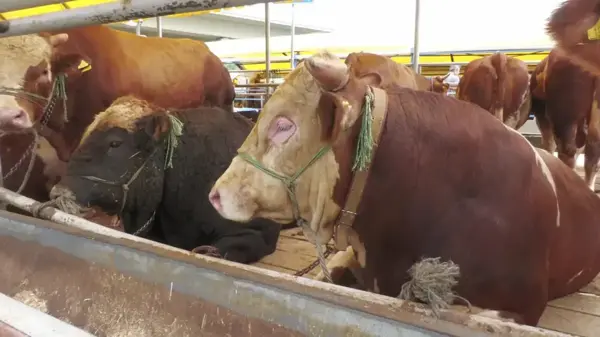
129,143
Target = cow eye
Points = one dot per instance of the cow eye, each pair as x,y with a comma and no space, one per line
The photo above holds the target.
115,143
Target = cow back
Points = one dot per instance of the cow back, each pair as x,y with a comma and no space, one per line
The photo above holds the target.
574,249
449,170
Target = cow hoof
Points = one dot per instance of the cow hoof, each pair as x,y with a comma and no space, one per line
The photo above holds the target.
208,250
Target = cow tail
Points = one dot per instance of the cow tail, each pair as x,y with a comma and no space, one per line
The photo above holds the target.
499,63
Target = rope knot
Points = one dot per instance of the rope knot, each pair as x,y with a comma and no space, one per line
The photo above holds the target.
431,283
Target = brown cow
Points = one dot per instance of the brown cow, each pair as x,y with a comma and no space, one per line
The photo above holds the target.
434,189
575,27
171,73
16,55
499,84
387,72
568,118
537,89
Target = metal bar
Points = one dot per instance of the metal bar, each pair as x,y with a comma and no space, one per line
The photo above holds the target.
33,322
415,52
261,85
159,26
21,202
292,34
15,5
267,43
111,12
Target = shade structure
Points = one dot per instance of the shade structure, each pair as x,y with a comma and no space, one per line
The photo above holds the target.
111,12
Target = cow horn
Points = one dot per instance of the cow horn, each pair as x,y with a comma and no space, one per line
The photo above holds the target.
54,40
331,74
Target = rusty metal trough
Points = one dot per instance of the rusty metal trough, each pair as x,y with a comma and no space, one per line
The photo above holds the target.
112,284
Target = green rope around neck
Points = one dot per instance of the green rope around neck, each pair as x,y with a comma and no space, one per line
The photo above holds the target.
172,140
59,89
364,147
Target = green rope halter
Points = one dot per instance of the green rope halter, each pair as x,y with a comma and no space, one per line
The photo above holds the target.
172,140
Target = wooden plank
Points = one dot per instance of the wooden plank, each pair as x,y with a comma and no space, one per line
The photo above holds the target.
579,302
294,233
571,322
295,246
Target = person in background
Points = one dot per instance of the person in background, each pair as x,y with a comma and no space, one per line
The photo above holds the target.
452,79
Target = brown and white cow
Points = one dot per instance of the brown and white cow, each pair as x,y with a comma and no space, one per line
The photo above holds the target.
575,27
566,111
16,55
499,84
522,226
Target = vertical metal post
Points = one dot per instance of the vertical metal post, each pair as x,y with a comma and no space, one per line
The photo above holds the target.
159,26
292,34
138,28
268,46
415,54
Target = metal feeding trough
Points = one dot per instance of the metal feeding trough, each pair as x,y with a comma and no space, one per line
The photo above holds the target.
113,284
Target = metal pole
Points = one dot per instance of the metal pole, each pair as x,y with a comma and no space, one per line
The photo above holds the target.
267,45
159,26
138,28
415,60
292,33
111,12
15,5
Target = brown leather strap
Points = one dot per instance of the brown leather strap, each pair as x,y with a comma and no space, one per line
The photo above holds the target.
359,180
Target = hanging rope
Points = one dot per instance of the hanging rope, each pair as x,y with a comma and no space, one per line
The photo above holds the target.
364,147
175,132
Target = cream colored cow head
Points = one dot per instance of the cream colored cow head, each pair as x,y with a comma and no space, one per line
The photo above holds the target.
17,55
310,111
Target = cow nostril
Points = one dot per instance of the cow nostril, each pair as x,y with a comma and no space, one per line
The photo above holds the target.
215,199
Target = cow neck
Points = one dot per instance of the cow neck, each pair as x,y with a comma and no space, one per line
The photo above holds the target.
349,190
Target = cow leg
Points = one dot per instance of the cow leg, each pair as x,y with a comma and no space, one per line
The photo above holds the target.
592,146
545,127
246,244
512,120
522,115
499,113
341,262
567,148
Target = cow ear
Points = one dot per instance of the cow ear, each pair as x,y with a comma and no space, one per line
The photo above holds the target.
157,126
73,65
372,79
336,114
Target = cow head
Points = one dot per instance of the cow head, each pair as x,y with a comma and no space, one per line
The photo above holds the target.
311,110
39,79
438,85
16,55
121,146
575,26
